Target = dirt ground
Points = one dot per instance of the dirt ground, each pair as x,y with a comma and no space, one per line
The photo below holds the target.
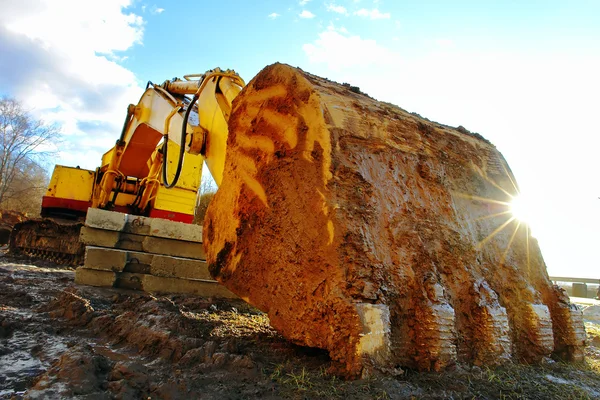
60,340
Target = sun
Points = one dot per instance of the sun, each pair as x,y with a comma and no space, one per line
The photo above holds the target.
520,208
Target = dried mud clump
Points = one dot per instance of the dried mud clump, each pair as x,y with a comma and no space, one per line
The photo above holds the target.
378,235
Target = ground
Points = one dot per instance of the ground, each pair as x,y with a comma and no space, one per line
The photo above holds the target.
60,340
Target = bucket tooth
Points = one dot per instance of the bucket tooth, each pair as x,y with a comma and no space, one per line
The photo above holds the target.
568,328
484,337
494,345
374,346
434,336
541,337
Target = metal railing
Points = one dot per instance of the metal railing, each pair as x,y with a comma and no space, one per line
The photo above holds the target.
574,280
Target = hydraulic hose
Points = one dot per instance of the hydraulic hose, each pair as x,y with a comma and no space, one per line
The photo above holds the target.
181,148
128,117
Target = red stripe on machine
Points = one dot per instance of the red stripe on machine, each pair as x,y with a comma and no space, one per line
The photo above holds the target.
69,204
172,215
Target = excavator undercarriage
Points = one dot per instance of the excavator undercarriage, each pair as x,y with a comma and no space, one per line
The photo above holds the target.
54,240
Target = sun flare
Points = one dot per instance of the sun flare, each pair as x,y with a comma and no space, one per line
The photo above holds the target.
520,209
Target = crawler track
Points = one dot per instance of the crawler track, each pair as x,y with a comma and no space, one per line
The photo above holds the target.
48,239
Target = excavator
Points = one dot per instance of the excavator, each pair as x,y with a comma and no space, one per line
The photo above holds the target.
181,122
358,227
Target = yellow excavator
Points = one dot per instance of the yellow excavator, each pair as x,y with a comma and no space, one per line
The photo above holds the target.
181,122
360,228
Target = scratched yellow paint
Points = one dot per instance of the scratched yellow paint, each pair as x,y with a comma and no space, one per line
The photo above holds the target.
325,210
268,93
330,230
317,132
261,143
246,166
234,262
286,127
247,170
287,124
245,120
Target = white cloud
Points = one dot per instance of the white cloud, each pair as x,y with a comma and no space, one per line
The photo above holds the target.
157,10
306,14
331,27
274,15
65,67
372,14
339,51
445,43
304,2
101,26
337,9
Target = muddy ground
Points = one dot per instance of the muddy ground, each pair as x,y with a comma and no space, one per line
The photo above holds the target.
60,340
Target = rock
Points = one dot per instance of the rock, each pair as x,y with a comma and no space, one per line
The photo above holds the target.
79,371
136,375
239,361
71,306
219,359
592,313
193,356
158,284
6,328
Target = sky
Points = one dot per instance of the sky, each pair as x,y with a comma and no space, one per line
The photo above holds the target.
525,74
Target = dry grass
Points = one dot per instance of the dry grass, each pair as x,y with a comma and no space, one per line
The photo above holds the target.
554,380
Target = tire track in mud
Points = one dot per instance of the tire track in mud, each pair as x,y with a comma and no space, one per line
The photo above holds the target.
58,340
61,340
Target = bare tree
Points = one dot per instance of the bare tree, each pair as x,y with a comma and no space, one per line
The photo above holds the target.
208,188
23,141
27,189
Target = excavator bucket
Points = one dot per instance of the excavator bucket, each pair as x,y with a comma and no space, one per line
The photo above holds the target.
378,235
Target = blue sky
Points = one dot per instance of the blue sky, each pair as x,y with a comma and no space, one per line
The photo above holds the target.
524,74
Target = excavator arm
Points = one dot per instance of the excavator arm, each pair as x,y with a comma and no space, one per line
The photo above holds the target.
166,114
